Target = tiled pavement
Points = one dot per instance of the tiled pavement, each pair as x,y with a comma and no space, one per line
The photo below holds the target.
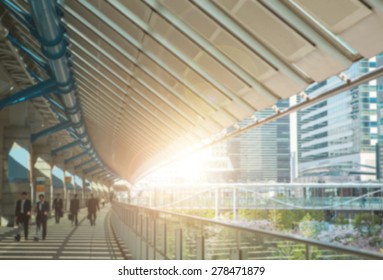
65,241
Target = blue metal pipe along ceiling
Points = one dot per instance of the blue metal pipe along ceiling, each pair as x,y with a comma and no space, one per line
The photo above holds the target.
51,37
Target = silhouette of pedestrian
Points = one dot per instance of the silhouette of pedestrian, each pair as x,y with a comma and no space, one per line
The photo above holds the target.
74,208
42,209
23,214
58,207
92,209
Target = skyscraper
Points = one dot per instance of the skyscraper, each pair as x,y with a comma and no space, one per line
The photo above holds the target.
337,137
263,154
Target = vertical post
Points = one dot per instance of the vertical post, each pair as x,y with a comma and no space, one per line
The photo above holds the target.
1,163
151,237
235,206
74,181
64,186
163,243
178,244
83,182
142,237
135,228
307,253
200,248
32,189
51,179
216,203
377,151
235,254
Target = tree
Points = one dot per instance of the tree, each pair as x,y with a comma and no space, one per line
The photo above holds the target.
367,224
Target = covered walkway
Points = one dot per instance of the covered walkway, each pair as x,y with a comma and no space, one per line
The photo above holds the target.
95,92
65,241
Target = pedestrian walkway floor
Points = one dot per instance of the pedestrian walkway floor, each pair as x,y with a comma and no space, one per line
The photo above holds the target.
65,241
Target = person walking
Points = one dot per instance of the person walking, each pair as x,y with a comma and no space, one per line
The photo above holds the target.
58,207
42,209
102,201
93,206
23,214
74,208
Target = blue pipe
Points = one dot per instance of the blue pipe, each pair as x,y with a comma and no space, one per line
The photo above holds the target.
65,147
49,131
51,36
34,75
37,90
75,157
55,103
50,100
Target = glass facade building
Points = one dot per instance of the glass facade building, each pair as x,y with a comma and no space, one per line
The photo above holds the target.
337,137
262,154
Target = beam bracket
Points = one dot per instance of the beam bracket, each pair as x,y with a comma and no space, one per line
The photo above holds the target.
49,131
41,89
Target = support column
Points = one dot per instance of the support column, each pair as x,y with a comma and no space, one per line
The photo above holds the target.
42,170
2,158
2,161
70,179
58,184
83,183
15,171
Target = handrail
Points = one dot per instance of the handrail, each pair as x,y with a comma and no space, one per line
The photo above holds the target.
305,241
194,192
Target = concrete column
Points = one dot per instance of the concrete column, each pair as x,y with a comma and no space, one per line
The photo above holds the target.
84,187
2,177
80,193
15,171
69,173
42,170
2,158
58,162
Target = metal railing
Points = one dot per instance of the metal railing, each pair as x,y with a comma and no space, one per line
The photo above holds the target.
226,196
153,234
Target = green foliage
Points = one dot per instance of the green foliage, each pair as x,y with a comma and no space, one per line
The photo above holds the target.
288,250
251,214
288,219
317,215
285,220
209,213
275,217
311,227
367,224
376,241
341,220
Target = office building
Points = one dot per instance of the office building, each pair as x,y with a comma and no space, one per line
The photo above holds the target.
337,137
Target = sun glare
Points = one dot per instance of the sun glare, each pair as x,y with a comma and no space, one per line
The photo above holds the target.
190,168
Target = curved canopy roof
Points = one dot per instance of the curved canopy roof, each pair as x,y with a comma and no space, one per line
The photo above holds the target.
156,77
